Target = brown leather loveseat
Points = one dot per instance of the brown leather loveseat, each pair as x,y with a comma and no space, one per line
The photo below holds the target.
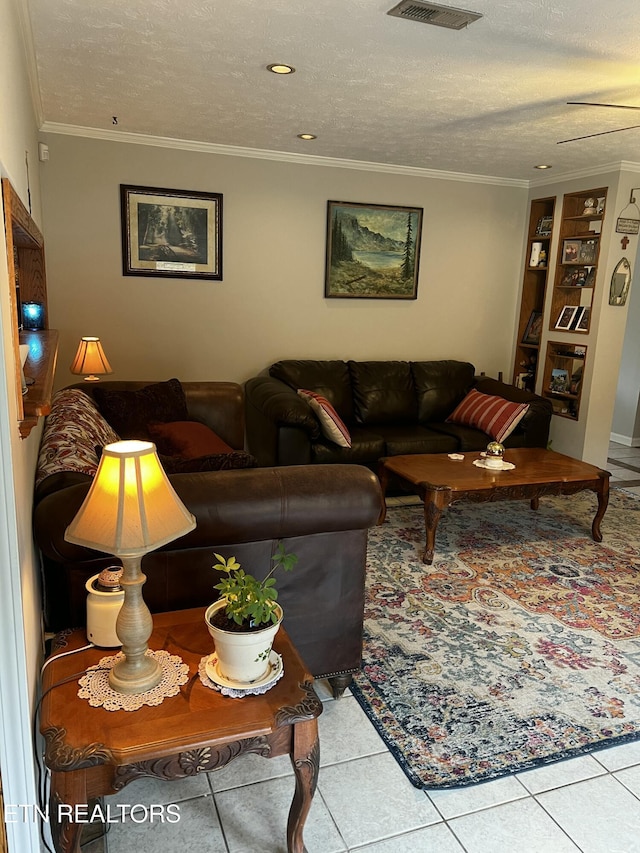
389,407
320,513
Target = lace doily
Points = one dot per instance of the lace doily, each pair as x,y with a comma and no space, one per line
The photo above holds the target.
234,693
95,687
505,466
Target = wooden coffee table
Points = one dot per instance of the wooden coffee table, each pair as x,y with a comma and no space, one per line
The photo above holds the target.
92,752
439,481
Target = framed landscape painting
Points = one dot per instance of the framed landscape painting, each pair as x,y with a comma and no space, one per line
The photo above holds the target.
171,233
373,251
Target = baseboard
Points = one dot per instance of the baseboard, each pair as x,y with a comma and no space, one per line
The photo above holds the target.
627,440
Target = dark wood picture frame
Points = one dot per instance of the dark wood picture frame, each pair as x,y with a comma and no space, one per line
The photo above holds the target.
171,233
533,331
373,251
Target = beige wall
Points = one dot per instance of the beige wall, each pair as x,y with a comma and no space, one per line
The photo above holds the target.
270,304
20,635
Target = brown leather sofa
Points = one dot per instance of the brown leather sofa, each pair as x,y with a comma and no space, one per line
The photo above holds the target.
320,513
389,407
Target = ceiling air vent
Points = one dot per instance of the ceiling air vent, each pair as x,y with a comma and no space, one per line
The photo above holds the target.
432,13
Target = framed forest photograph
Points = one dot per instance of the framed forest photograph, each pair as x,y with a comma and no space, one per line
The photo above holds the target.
171,233
373,251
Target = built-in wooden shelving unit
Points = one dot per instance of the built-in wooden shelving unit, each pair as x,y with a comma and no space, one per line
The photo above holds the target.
25,261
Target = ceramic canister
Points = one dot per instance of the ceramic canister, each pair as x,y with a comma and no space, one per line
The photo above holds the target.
103,605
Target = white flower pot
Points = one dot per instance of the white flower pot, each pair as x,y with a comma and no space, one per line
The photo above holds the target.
243,657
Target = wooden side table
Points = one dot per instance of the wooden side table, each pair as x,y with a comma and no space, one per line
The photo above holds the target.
92,752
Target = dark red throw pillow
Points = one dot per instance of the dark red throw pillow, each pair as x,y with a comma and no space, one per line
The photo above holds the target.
188,439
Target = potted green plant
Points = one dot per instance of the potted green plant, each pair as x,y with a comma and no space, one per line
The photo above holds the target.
245,619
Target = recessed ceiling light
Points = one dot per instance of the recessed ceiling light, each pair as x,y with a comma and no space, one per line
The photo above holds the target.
307,136
279,68
543,166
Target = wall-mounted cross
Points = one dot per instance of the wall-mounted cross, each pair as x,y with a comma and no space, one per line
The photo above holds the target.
624,242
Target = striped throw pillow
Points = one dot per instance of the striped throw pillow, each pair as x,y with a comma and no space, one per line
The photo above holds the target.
331,424
494,415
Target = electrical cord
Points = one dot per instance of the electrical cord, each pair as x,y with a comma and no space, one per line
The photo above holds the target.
43,773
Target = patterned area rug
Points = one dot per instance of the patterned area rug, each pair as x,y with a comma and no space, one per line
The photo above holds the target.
519,646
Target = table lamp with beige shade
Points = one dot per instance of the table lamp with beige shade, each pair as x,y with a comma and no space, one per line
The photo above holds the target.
90,360
131,509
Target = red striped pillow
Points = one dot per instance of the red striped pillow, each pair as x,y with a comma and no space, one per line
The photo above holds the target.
494,415
331,424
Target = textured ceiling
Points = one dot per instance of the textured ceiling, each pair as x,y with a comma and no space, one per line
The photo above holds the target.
487,100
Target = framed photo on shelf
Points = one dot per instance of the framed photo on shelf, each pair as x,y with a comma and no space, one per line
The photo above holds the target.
559,380
583,323
534,329
570,251
587,251
543,228
577,317
566,317
171,233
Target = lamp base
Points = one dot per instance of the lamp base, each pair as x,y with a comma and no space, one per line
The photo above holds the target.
92,378
136,676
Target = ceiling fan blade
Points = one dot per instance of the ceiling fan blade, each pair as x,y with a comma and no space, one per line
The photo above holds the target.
602,133
614,106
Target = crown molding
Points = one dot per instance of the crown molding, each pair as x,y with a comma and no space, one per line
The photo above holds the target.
604,168
280,156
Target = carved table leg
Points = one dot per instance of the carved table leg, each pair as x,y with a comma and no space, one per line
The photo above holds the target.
305,759
435,500
68,789
603,502
535,503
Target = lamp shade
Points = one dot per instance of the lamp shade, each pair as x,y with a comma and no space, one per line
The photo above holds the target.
131,507
90,359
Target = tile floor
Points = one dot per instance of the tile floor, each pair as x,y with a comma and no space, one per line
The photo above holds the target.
365,803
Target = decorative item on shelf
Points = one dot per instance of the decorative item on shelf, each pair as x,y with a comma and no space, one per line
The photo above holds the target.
620,283
576,380
587,251
104,600
577,317
600,204
582,324
559,383
494,454
90,359
543,228
25,381
542,260
589,207
534,329
33,316
244,620
131,508
566,317
570,249
534,259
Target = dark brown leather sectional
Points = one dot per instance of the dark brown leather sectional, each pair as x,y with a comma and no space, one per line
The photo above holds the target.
320,513
390,408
